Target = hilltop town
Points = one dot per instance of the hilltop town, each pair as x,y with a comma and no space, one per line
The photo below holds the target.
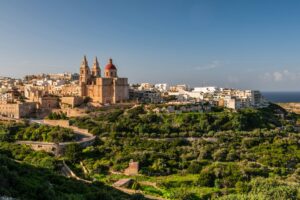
144,141
74,94
199,101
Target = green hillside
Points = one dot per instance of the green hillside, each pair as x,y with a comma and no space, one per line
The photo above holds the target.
249,154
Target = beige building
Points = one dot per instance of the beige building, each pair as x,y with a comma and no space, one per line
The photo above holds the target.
17,110
48,102
133,169
33,93
70,90
71,102
108,89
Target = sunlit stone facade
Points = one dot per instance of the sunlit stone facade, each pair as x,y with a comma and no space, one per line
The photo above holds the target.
109,89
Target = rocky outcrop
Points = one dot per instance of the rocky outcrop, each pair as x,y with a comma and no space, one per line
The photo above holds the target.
291,107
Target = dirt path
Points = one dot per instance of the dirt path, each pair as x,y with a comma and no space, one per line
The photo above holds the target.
66,171
129,191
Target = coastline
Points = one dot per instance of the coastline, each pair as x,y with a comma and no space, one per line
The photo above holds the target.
282,97
291,106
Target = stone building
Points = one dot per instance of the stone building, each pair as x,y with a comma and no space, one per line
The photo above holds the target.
145,96
70,90
33,93
48,102
109,89
133,169
17,110
71,102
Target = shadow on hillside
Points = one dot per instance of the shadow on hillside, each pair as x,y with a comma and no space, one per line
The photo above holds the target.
24,181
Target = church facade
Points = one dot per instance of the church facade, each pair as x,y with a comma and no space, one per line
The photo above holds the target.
109,89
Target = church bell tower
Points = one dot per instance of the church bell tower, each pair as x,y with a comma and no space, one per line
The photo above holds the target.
85,73
96,72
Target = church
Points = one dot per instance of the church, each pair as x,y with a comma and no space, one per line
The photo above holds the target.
109,89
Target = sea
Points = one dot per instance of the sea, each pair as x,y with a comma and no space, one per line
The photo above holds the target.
282,97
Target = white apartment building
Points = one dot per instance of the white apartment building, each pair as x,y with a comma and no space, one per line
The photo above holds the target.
232,103
146,86
208,89
162,87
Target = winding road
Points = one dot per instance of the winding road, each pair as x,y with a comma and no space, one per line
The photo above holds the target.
85,139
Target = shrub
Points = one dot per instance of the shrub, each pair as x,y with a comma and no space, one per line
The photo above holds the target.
206,178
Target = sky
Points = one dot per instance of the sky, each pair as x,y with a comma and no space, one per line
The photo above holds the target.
247,44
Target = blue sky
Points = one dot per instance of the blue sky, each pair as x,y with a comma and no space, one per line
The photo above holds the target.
234,43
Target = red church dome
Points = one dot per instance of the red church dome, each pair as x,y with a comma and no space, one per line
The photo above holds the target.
110,65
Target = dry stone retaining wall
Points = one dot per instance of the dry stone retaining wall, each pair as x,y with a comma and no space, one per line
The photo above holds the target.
58,148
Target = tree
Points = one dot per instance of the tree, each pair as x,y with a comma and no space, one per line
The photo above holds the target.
72,152
194,167
206,178
159,165
220,154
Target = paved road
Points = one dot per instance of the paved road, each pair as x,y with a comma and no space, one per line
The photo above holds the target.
82,136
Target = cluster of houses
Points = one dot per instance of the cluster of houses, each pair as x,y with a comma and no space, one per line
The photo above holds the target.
45,92
22,98
192,107
181,94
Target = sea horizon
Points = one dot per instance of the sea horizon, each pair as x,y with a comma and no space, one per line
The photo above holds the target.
282,96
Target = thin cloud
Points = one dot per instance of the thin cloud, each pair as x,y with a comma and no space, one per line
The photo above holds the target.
282,75
214,64
232,79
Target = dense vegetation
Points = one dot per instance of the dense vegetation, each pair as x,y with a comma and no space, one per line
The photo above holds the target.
57,115
24,181
250,154
140,121
35,132
26,155
28,174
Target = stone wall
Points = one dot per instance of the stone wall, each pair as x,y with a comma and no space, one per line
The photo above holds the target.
41,146
62,123
58,148
75,112
65,124
80,130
